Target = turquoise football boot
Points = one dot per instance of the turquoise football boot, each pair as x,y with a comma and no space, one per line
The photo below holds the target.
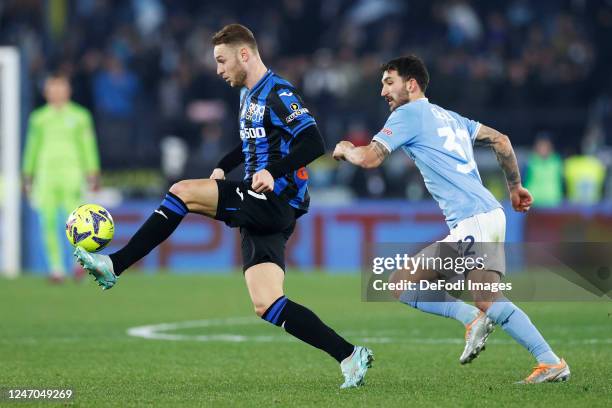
355,366
99,266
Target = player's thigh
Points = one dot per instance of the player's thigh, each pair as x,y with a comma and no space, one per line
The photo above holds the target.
199,195
71,197
45,195
46,201
413,275
265,284
261,213
417,274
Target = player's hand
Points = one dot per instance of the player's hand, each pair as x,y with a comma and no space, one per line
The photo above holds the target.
341,148
218,174
262,182
521,198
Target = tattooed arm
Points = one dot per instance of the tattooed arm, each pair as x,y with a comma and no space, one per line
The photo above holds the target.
502,147
500,143
368,157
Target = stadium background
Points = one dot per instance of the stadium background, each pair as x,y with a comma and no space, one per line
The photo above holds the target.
532,69
145,69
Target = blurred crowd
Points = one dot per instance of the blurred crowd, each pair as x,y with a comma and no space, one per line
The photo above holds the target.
146,71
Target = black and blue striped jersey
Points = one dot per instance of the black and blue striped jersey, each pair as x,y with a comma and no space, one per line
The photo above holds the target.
272,115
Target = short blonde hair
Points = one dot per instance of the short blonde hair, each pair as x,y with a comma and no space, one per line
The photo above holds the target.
234,34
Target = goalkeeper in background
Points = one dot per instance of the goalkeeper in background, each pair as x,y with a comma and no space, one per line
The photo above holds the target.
61,156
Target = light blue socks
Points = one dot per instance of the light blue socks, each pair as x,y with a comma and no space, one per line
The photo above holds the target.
503,312
517,324
441,303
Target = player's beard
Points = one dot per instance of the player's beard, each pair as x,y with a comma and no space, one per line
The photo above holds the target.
402,98
240,79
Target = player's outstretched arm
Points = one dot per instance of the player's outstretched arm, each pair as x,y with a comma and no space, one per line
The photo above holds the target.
500,143
368,157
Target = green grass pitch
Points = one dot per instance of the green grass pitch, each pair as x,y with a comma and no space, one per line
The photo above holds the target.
76,336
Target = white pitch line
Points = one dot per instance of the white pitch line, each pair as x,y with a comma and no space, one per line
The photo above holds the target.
160,332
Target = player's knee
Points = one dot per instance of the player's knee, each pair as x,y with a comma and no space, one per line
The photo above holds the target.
261,308
185,190
399,277
262,305
396,293
180,189
483,305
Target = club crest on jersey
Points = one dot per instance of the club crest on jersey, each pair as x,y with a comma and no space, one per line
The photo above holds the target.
297,111
255,112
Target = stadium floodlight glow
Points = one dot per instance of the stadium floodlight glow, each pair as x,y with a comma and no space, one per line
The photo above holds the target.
10,186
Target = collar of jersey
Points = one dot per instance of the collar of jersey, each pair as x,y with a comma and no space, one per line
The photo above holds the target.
259,83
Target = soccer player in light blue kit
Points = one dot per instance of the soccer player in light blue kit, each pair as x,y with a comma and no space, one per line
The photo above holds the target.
441,144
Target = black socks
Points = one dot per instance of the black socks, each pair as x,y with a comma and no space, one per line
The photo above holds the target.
156,229
302,323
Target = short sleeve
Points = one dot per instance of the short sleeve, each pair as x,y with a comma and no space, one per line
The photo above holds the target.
472,126
401,128
287,110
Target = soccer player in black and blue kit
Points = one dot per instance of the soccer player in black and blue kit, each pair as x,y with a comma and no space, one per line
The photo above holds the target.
279,137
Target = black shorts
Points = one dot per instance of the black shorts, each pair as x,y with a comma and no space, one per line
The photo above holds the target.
266,222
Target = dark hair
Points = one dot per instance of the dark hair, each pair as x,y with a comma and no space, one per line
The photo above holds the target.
408,67
58,75
233,34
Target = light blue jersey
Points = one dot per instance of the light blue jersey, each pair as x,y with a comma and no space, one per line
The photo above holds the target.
440,143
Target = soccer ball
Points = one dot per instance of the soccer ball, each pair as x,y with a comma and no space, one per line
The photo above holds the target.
90,227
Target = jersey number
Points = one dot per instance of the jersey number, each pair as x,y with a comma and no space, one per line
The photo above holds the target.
455,140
